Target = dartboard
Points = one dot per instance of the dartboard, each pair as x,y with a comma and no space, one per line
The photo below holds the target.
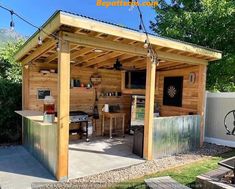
171,91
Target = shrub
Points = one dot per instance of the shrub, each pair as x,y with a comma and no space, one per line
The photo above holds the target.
10,122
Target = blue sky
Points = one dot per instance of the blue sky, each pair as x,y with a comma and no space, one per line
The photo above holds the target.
38,11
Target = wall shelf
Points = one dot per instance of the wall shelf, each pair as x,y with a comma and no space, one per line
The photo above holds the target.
105,97
81,88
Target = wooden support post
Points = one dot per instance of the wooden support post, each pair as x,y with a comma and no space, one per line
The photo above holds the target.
25,88
149,109
63,110
25,96
201,98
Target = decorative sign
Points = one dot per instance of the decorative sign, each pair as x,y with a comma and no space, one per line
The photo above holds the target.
42,93
192,77
229,123
173,88
96,79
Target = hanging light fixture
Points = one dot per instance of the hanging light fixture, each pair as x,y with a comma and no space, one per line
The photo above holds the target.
58,46
39,37
39,40
146,44
140,28
26,66
149,53
154,60
12,24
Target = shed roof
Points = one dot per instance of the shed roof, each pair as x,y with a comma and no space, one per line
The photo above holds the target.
64,21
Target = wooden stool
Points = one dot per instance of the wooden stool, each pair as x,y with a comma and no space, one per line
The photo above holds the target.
112,116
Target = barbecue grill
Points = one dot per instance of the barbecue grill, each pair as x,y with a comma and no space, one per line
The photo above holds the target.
78,117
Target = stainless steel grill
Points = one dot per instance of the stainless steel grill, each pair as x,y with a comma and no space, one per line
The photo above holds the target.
78,116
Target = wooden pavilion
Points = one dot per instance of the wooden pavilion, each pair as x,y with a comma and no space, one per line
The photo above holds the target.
87,46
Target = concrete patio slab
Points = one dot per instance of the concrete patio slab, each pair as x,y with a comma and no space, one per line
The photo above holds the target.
19,169
100,155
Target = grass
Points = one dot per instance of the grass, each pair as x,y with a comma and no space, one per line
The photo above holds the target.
185,175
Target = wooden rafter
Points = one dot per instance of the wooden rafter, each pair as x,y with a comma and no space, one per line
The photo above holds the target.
41,50
103,58
125,48
112,60
88,58
81,52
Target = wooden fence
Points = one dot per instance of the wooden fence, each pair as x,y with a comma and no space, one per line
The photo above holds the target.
217,106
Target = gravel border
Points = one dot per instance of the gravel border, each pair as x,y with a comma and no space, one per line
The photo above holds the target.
109,178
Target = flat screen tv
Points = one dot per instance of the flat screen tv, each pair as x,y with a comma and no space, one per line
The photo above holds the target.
135,79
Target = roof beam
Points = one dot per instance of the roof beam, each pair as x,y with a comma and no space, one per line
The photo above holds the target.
103,44
128,49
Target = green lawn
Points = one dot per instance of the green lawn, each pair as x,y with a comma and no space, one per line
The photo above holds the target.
185,174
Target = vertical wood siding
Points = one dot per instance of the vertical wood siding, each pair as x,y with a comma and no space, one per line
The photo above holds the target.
173,135
190,92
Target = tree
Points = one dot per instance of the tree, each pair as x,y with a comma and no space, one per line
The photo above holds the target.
10,94
209,23
9,69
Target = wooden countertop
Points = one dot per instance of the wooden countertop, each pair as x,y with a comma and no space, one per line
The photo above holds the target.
113,114
35,116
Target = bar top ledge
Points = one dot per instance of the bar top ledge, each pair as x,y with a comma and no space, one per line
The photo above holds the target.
35,116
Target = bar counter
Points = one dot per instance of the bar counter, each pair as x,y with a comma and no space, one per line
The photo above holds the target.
40,138
35,116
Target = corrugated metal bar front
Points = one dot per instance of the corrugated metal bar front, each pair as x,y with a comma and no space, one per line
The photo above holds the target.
173,135
41,142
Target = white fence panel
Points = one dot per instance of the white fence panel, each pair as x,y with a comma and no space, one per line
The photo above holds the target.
217,106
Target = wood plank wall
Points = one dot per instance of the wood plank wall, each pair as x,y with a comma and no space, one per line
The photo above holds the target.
190,92
81,98
39,81
84,99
